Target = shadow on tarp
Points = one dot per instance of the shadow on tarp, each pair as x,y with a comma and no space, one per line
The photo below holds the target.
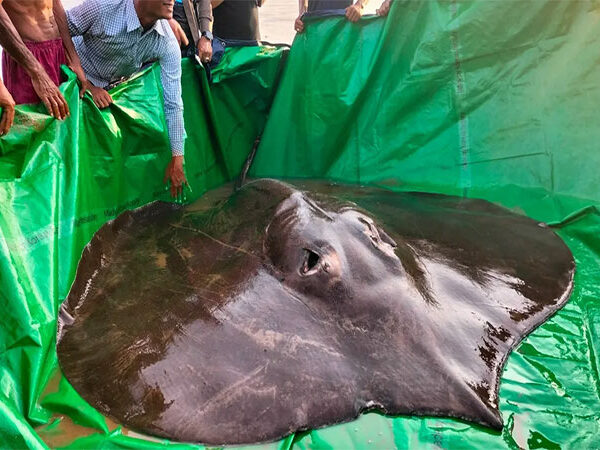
496,100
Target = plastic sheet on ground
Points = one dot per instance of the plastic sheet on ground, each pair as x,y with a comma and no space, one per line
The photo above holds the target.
488,99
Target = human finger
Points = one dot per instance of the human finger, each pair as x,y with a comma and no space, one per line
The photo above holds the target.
177,181
175,184
103,101
8,116
108,100
384,9
3,124
48,106
63,106
184,40
11,117
352,15
173,191
54,109
96,98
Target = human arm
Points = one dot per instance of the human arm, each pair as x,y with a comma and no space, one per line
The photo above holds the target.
204,16
7,104
384,9
100,96
302,7
182,39
81,17
44,87
72,57
170,74
354,12
204,49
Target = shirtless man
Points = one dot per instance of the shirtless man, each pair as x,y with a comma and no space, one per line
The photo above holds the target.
36,41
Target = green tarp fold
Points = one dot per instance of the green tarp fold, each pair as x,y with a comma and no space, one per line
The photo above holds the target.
487,99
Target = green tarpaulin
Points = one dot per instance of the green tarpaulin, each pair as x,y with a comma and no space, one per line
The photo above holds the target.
488,99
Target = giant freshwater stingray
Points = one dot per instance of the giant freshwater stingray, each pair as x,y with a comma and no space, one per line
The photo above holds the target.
245,317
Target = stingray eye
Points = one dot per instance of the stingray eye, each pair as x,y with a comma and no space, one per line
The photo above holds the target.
370,229
386,238
310,263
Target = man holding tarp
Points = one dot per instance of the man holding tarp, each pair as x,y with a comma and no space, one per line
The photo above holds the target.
353,11
195,19
116,38
36,42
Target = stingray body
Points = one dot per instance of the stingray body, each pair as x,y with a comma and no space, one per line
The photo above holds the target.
245,317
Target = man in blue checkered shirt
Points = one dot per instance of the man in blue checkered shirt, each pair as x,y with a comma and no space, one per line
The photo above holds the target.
117,38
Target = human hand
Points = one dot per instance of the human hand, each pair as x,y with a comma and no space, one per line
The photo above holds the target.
384,9
175,174
182,39
7,104
354,12
83,82
204,49
50,96
101,98
299,24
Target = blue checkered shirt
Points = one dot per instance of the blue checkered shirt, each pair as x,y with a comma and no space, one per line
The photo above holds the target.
113,45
